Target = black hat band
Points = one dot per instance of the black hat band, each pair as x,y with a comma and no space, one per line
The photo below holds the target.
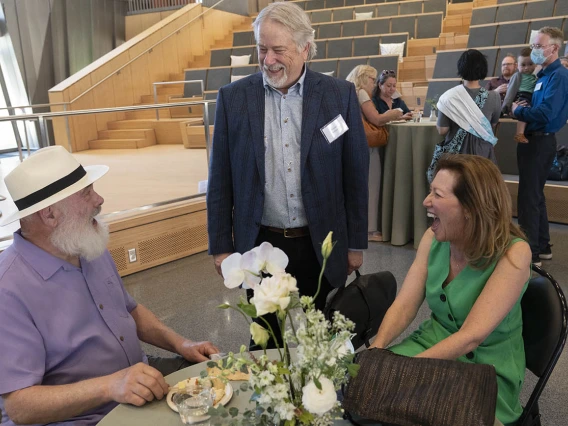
51,189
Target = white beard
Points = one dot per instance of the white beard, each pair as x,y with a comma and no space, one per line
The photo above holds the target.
77,237
276,83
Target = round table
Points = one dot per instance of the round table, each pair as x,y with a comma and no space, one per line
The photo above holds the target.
407,157
158,412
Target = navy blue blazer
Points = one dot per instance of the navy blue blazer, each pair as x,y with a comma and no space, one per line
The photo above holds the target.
334,177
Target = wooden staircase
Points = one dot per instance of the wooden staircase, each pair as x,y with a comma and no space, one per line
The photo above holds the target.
180,125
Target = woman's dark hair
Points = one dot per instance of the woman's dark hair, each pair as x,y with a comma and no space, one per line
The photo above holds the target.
472,65
385,75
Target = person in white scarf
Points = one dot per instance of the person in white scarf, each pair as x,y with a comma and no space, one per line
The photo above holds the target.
468,113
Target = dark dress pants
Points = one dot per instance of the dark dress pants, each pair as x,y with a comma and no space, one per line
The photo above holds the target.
534,160
302,265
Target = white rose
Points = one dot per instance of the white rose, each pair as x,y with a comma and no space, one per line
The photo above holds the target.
318,401
273,294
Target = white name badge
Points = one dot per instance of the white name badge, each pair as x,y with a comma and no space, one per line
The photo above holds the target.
335,128
538,86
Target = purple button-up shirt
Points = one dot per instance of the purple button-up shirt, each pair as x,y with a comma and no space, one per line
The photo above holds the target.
61,324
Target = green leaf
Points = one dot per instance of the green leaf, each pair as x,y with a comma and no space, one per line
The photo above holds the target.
306,417
203,374
244,386
224,306
284,371
211,364
248,309
353,369
317,383
234,411
244,369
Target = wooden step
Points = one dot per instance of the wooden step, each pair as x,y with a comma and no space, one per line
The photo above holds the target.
194,136
120,143
167,131
173,89
147,113
147,134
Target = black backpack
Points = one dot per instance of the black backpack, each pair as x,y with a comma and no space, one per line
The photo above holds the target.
559,169
365,302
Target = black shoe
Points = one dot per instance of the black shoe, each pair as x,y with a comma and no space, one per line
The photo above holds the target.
546,254
536,260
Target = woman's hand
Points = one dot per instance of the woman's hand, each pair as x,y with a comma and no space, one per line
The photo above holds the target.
394,114
407,116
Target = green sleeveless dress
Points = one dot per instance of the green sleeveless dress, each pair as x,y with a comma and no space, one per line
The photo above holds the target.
450,306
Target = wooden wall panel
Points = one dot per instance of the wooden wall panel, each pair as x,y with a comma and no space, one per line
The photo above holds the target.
140,78
84,126
59,124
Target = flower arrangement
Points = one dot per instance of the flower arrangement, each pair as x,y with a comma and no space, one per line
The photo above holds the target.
300,390
433,102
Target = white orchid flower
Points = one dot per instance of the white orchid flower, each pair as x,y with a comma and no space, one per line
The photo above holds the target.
236,270
270,259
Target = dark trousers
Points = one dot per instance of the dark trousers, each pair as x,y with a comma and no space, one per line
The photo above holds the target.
534,161
302,265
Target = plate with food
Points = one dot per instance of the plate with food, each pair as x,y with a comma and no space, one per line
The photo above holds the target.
195,387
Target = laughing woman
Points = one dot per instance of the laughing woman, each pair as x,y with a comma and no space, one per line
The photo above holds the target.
472,267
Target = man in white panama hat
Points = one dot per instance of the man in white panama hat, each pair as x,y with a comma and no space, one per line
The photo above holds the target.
69,331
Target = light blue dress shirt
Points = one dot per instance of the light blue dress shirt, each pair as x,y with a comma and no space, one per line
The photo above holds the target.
283,206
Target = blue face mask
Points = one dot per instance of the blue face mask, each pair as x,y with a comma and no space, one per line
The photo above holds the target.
537,56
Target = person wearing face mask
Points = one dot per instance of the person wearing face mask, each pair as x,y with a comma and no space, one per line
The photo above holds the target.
290,160
546,116
387,99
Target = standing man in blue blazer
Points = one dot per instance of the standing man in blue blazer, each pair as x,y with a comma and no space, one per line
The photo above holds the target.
290,160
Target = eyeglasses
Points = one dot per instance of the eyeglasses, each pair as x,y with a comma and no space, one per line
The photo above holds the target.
508,64
540,46
388,72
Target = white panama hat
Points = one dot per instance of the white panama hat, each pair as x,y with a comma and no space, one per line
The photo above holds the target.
46,177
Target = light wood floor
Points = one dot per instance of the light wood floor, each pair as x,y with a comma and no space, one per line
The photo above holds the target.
137,177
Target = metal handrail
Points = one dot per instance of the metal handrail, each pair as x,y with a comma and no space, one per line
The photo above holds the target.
64,104
41,117
154,205
164,83
145,51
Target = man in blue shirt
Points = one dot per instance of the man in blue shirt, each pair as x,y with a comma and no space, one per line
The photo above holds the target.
546,116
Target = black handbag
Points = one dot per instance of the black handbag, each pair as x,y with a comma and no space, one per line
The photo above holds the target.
559,169
365,301
407,391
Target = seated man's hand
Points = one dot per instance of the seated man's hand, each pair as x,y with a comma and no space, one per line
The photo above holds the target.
197,351
137,385
218,259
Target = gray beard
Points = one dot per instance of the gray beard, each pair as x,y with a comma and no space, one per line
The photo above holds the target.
78,238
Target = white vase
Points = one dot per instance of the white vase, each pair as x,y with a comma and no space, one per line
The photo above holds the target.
433,116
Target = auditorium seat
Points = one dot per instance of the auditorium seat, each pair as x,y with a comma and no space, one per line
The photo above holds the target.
378,26
345,14
512,33
482,36
510,12
387,9
243,38
435,6
561,8
320,16
315,4
483,15
404,24
428,25
331,30
366,46
190,89
217,78
381,63
353,28
539,9
339,48
410,7
220,57
327,65
334,3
